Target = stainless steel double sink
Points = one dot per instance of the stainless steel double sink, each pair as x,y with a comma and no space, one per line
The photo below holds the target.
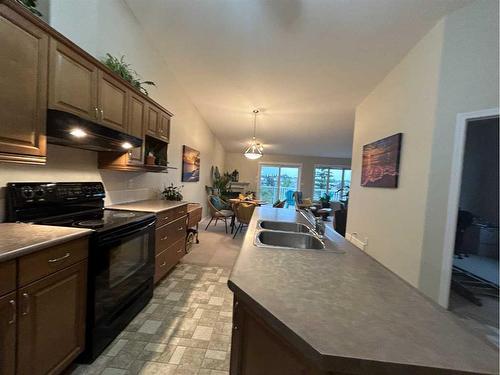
287,235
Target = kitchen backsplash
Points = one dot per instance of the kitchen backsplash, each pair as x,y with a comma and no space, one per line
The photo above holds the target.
71,164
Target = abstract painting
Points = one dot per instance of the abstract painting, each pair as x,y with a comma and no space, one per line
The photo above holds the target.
190,164
380,166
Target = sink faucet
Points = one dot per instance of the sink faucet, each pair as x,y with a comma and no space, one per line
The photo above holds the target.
319,224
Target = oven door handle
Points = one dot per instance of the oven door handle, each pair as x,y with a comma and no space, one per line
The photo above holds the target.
122,234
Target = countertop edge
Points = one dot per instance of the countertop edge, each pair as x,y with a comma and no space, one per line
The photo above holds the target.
129,206
26,250
329,362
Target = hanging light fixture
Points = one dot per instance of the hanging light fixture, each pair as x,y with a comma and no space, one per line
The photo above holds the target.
254,151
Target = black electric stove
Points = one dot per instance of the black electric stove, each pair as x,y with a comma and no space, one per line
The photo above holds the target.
121,250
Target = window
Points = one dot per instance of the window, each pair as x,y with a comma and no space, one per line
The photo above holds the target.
333,181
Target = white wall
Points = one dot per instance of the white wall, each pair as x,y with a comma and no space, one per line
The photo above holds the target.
109,26
453,69
249,169
468,82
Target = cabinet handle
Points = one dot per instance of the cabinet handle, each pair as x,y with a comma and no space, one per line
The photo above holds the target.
26,309
59,259
179,251
96,113
13,305
163,238
102,114
180,229
163,264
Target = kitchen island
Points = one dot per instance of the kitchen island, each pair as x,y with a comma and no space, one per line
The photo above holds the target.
338,311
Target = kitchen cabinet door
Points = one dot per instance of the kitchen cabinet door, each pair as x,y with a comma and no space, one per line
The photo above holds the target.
137,116
153,120
8,334
164,126
51,321
72,82
23,83
112,98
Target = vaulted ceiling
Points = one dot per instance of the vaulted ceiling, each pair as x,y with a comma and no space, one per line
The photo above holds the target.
305,64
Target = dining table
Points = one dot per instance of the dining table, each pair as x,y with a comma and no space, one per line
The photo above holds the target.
236,201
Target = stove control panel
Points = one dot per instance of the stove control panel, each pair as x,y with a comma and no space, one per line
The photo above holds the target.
21,194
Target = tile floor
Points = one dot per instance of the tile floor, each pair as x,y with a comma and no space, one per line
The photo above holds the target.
185,328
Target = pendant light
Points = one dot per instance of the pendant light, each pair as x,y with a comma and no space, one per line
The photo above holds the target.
254,151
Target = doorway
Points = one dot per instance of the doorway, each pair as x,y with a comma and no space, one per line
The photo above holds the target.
474,285
278,182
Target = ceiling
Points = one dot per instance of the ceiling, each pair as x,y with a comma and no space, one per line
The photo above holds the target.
305,64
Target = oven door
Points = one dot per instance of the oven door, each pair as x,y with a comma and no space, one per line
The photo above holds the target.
122,268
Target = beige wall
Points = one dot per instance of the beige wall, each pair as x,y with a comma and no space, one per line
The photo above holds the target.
249,169
109,26
468,82
453,69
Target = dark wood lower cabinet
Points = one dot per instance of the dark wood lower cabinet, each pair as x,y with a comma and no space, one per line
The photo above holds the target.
256,349
8,317
51,321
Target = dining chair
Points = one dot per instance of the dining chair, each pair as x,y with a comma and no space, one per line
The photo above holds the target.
289,198
244,213
219,210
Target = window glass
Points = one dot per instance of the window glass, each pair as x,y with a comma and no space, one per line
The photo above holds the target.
332,181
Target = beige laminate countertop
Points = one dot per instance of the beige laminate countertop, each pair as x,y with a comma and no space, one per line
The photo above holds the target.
17,239
150,205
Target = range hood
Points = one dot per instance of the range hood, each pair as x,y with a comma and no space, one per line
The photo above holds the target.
70,130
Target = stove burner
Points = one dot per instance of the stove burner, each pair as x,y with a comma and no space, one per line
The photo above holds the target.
90,223
124,214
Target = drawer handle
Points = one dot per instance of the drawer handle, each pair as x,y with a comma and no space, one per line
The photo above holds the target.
163,238
26,309
60,259
13,305
179,251
180,229
163,264
165,218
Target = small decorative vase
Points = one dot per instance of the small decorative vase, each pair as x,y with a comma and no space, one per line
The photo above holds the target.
150,160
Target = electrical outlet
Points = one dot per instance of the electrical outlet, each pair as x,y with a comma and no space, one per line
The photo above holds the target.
356,241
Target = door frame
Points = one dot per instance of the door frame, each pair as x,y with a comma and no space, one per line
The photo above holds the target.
454,196
279,165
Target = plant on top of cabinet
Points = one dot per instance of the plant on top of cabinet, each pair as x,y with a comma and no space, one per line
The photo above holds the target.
123,69
31,5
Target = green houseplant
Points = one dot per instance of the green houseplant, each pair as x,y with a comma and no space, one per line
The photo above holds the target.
325,200
123,69
172,193
31,5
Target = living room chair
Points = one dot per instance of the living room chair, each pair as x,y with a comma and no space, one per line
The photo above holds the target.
219,210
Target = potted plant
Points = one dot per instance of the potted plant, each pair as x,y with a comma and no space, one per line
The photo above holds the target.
172,193
325,200
150,159
123,69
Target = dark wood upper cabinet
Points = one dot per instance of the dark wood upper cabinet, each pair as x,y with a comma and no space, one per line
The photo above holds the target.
8,318
42,69
112,99
51,321
73,82
136,119
153,120
164,126
23,93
